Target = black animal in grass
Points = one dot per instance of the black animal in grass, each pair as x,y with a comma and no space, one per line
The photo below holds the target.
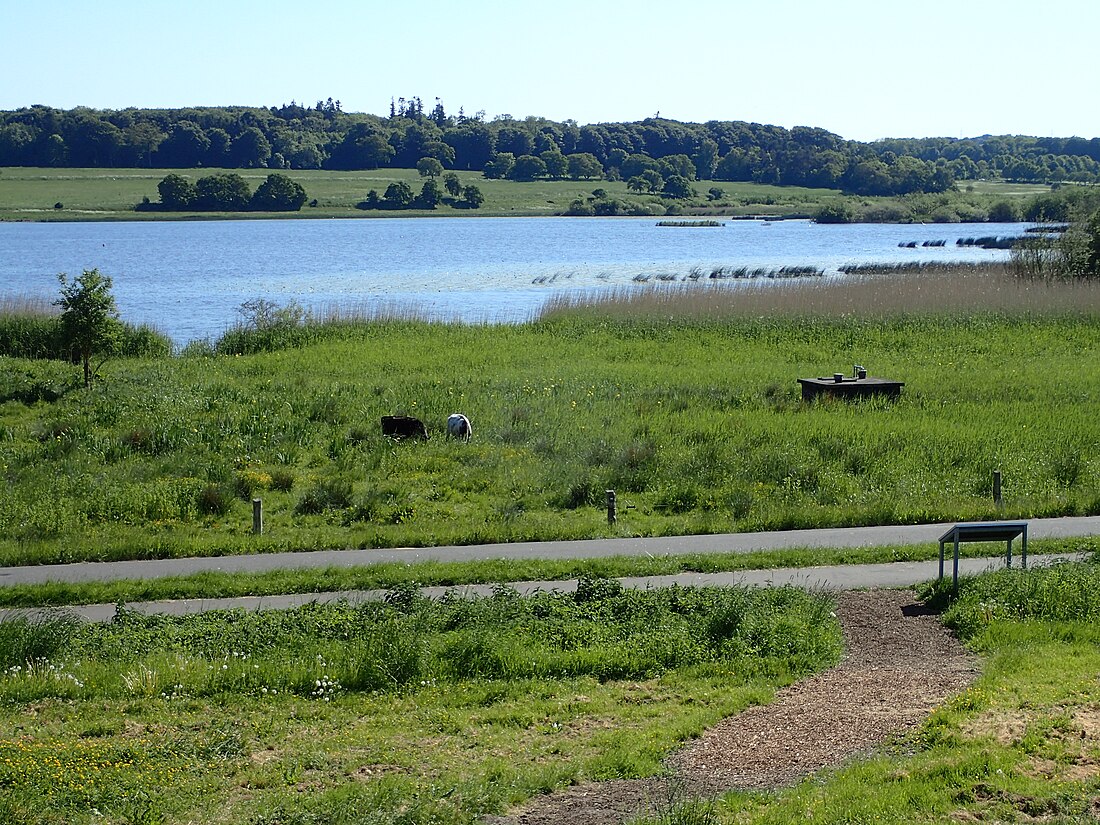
400,427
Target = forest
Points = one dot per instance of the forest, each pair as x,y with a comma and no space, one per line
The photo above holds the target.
323,136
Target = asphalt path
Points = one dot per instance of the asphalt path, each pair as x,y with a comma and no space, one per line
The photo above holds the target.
833,537
838,577
825,578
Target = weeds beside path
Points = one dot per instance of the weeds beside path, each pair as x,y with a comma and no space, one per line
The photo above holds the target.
900,663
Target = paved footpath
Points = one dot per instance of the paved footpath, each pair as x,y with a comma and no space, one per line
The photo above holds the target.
841,577
834,537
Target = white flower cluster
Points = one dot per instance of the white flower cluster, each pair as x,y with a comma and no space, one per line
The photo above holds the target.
324,688
43,669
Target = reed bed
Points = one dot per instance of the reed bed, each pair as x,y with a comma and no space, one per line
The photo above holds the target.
692,224
991,241
870,291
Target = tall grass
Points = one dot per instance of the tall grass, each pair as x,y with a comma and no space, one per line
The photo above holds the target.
31,328
601,631
695,420
406,711
1067,592
879,291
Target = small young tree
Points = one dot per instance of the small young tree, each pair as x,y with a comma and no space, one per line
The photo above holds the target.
452,184
89,317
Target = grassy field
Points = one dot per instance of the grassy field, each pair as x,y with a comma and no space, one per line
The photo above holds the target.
695,421
30,194
408,711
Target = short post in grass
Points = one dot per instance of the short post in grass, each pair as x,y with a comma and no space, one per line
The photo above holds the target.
257,516
997,499
612,510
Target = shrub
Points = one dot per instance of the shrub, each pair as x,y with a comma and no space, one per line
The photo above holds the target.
282,479
1004,212
25,639
213,500
836,212
247,482
325,494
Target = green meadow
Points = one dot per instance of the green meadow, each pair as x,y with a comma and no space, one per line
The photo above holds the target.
32,194
694,419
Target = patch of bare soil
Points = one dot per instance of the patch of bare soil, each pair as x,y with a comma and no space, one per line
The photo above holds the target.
899,665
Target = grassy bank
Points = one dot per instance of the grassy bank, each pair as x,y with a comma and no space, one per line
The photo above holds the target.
32,194
695,421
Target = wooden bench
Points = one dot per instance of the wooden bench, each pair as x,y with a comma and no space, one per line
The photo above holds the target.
1006,531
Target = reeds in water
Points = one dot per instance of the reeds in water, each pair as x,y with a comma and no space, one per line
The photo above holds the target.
690,223
874,291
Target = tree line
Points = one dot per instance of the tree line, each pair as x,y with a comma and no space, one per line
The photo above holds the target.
323,136
228,192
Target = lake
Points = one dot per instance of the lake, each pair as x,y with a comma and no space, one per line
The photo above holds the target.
188,278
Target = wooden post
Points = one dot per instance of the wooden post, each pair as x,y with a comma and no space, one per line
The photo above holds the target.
997,500
612,510
257,516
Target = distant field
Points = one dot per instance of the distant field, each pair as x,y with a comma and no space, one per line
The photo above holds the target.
111,194
1004,189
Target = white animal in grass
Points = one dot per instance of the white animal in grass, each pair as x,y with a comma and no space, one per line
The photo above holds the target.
458,426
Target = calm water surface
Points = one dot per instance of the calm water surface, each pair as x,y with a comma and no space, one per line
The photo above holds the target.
188,278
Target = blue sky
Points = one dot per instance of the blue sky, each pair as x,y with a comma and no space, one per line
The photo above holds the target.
862,69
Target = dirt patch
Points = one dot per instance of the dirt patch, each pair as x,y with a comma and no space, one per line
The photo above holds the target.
899,665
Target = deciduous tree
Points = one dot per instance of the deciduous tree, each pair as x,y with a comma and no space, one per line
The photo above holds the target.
279,194
500,165
584,165
89,317
527,167
472,196
431,195
429,167
399,195
176,192
225,193
678,187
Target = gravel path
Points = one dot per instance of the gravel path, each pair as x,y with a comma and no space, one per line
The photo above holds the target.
899,665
